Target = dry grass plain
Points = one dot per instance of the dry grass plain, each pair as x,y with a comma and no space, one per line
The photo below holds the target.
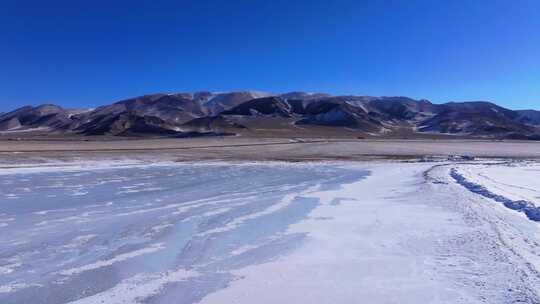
260,149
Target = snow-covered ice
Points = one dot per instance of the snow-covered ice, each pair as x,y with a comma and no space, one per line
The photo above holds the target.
336,232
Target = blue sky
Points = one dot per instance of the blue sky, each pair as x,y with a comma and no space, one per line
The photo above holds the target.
88,53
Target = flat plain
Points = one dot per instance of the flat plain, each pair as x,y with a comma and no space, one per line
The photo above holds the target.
286,149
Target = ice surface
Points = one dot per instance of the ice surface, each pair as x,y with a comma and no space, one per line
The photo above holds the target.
78,231
132,232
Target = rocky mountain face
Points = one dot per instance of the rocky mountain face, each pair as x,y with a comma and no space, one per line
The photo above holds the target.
206,113
477,118
46,117
530,117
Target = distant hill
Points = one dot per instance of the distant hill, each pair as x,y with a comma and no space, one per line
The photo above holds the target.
531,117
290,114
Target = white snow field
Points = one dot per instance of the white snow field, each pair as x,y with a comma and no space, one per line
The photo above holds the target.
271,232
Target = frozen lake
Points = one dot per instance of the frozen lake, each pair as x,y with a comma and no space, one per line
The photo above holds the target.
76,232
264,233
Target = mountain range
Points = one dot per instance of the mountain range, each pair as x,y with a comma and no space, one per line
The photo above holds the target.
250,113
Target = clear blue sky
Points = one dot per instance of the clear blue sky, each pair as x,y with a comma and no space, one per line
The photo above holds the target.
88,53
